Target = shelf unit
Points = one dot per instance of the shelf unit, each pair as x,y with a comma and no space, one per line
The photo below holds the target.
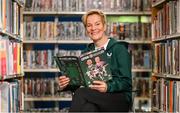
166,56
29,43
11,69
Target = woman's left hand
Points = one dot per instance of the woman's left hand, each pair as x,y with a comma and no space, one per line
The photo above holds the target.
100,86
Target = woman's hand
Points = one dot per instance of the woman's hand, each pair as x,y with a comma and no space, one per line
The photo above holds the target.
101,86
63,82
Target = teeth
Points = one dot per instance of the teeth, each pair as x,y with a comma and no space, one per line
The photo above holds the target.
93,33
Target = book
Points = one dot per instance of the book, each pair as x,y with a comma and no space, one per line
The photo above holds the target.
84,69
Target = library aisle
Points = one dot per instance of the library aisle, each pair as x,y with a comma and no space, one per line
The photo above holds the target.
32,32
55,27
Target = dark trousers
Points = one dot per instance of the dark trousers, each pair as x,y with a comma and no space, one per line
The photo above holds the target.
87,100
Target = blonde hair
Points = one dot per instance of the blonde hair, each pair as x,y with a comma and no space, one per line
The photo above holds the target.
91,12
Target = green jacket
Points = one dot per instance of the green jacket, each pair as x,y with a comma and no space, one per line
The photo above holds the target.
120,64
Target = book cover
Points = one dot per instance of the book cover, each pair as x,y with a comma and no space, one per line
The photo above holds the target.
86,68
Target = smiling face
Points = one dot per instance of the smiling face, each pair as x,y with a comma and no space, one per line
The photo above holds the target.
95,27
95,24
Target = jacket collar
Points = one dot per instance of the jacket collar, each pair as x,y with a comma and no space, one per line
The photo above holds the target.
111,43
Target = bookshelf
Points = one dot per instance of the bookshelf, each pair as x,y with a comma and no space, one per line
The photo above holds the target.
60,40
166,54
11,70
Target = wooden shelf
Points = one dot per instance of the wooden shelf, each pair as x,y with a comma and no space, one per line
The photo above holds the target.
129,13
167,76
79,41
141,70
173,36
142,98
57,70
12,36
170,76
159,2
64,98
138,41
6,77
50,98
57,41
167,37
20,2
155,109
42,70
159,39
31,13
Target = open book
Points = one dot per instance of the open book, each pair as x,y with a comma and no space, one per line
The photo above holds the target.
86,68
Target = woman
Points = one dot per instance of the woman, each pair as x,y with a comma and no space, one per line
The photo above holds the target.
115,94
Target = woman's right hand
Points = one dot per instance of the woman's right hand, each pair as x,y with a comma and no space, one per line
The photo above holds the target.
63,82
